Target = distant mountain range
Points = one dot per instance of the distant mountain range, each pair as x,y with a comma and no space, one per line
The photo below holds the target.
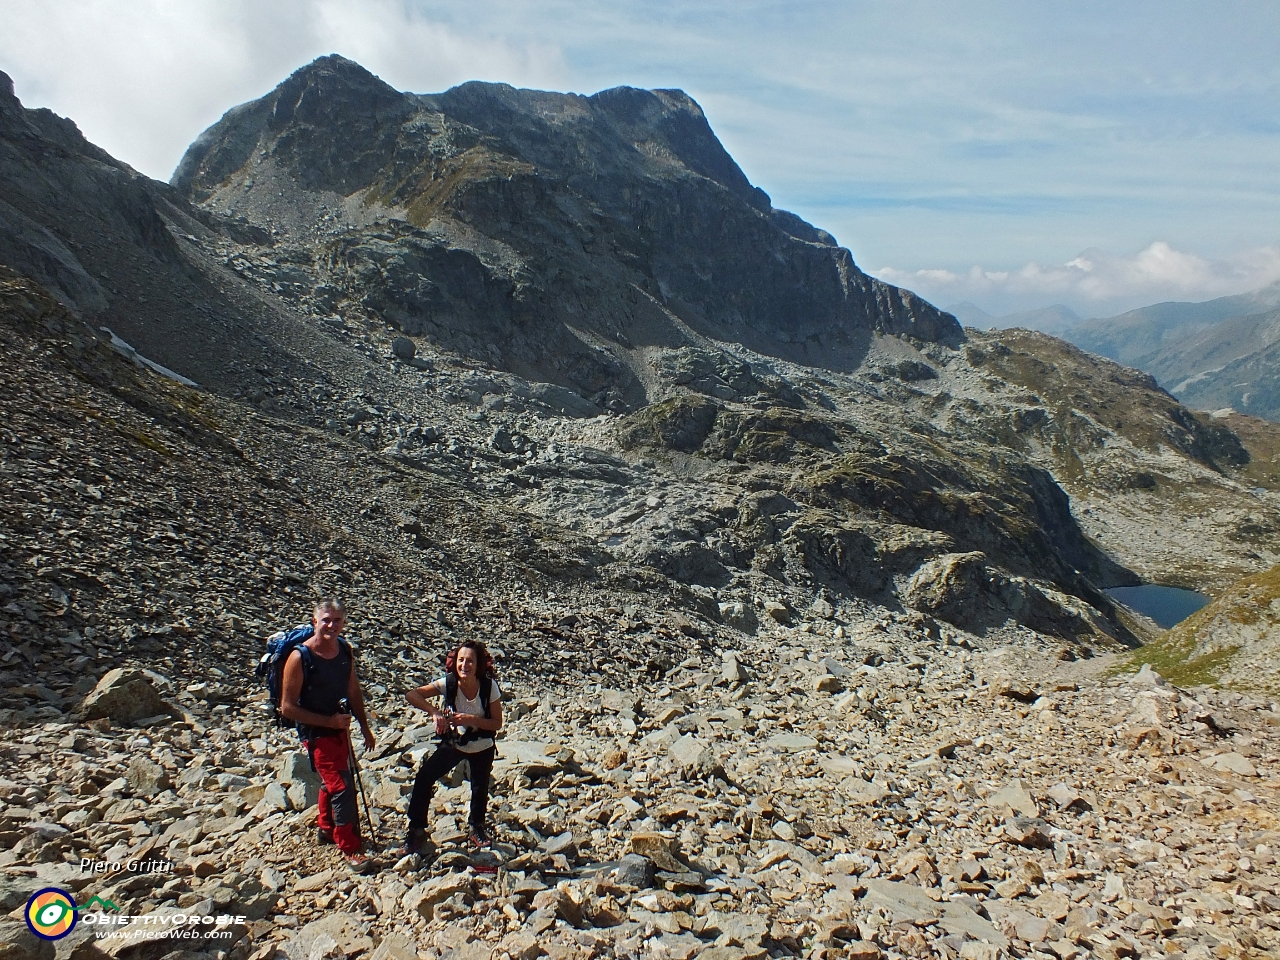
1053,320
1211,355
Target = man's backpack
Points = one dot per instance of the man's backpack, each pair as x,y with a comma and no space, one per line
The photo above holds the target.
271,668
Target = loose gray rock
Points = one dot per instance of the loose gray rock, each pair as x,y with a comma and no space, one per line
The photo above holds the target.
777,611
340,934
396,946
1147,677
902,901
732,671
1028,832
791,742
1232,763
1015,796
695,758
738,614
296,766
1067,799
13,893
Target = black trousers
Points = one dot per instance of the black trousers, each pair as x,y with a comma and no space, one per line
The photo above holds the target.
436,766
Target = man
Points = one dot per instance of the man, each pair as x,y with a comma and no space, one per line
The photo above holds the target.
312,687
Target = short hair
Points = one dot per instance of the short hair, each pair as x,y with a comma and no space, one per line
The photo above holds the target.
330,604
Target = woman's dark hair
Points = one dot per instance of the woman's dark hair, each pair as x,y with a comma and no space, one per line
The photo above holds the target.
484,662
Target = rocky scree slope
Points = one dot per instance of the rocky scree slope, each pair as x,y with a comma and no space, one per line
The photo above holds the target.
152,525
119,555
944,802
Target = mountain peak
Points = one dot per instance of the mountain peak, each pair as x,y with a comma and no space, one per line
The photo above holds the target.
335,64
315,102
673,120
334,89
628,187
333,77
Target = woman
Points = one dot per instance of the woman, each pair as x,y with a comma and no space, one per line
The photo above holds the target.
467,729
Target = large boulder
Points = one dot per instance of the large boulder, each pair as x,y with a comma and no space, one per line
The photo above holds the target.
842,557
964,590
341,934
125,696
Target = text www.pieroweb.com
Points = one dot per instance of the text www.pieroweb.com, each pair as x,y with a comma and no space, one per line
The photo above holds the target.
181,933
176,927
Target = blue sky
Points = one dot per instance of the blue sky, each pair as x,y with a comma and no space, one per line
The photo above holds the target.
1012,154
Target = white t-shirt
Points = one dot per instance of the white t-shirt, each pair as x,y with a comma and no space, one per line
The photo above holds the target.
472,708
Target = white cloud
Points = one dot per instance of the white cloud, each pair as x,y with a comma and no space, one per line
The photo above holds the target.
1097,281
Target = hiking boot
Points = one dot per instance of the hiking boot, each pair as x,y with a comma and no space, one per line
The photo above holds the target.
361,864
479,837
324,837
415,842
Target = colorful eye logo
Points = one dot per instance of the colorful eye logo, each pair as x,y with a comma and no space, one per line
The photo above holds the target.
51,913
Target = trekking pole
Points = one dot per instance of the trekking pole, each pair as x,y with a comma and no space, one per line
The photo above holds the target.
345,707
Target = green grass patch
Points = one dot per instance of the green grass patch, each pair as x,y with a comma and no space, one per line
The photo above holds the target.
1169,657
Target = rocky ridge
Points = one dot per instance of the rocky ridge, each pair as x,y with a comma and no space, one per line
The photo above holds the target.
551,235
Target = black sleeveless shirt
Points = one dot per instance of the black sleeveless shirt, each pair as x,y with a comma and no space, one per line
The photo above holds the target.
326,682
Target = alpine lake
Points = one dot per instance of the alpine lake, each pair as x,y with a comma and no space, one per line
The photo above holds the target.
1167,606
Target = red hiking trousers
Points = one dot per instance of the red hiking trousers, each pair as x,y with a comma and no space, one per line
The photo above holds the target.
337,807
